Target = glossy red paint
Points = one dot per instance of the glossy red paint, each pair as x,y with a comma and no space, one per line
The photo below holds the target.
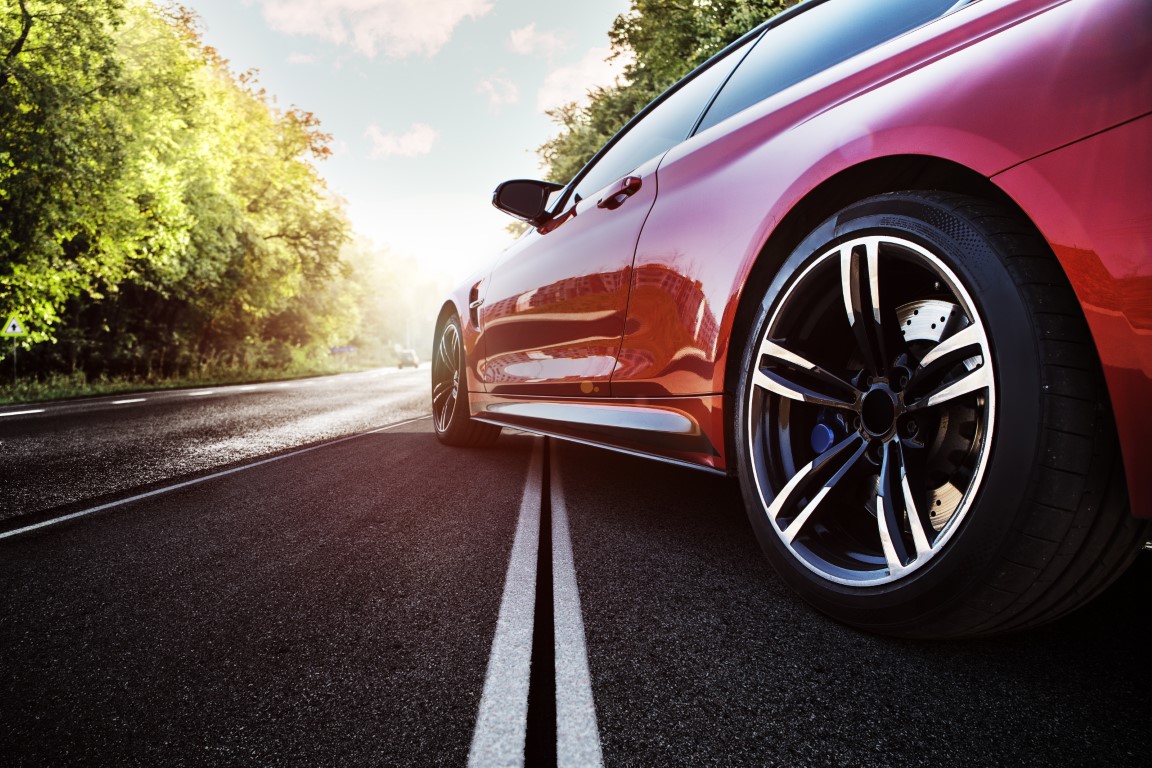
555,305
641,307
1100,226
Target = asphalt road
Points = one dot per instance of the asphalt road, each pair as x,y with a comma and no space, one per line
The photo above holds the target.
363,602
79,450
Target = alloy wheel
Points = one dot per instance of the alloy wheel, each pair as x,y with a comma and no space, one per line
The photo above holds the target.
446,378
870,412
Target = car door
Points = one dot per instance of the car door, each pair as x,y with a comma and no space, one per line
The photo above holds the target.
553,311
554,308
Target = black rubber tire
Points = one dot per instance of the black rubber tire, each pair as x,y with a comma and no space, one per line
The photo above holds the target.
450,418
1048,526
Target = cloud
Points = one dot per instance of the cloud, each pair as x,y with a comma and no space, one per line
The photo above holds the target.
500,92
528,41
302,58
572,83
417,140
398,27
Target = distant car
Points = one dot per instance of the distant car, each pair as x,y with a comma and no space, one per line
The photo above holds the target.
890,263
408,357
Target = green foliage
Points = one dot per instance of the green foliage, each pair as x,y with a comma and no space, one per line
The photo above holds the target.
60,149
663,41
159,214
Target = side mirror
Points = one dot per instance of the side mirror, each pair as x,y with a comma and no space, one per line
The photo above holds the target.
525,199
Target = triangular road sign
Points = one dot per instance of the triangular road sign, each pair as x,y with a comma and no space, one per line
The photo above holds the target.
13,327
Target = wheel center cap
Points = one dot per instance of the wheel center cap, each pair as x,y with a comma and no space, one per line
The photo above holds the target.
878,412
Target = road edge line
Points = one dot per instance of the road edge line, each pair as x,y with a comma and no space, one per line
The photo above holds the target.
197,480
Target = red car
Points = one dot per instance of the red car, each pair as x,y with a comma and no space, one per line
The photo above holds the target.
890,263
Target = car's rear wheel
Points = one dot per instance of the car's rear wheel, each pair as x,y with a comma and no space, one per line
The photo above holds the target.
450,417
923,434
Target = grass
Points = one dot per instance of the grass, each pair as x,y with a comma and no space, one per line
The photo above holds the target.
68,386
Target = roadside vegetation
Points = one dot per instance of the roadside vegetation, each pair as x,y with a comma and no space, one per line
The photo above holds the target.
61,386
162,218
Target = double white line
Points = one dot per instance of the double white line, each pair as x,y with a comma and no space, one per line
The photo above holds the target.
501,726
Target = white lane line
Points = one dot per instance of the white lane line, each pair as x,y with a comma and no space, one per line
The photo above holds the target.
502,722
196,481
577,735
202,392
21,413
247,388
129,402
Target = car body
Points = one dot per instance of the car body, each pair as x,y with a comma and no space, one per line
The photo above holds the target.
859,156
407,357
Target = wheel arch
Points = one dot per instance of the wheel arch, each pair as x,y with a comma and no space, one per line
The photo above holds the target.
873,177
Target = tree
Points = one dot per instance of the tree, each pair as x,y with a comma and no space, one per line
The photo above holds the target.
666,40
159,212
61,146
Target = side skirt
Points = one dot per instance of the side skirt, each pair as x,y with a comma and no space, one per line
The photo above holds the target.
687,431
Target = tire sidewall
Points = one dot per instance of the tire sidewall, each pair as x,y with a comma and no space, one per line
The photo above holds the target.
974,549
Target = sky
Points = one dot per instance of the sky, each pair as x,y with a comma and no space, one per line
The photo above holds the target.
431,103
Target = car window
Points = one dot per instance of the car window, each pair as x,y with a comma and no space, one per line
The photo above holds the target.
814,40
667,124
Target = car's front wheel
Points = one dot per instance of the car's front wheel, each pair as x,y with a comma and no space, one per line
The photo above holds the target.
450,417
922,429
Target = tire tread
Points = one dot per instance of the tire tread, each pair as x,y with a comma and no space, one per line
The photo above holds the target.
1098,539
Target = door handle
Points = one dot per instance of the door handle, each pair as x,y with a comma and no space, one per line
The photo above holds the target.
625,188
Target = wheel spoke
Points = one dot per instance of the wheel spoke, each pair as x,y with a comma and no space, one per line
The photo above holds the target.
888,515
896,505
860,285
955,348
447,353
444,415
974,380
442,390
916,520
793,493
968,346
768,375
